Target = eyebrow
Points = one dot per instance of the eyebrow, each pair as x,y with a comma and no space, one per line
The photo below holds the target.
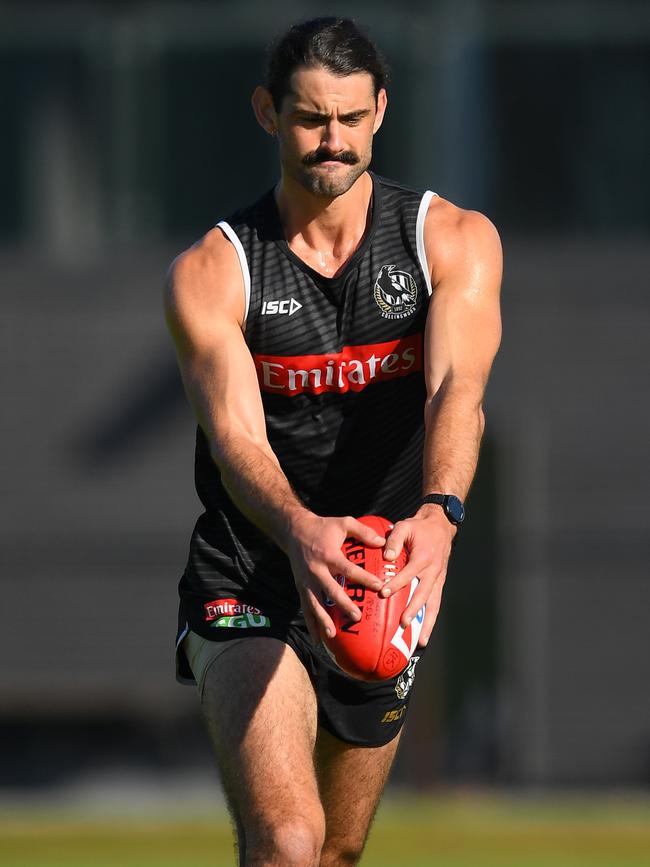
305,114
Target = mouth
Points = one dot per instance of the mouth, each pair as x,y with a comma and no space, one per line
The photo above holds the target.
328,164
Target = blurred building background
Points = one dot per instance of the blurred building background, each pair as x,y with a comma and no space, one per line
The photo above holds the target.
126,133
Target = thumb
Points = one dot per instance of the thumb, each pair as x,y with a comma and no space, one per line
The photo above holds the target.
395,541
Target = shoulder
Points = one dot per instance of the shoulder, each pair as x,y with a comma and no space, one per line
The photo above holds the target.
206,278
208,258
396,195
397,186
455,238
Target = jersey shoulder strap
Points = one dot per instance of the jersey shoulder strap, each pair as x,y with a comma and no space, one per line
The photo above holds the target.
249,229
412,205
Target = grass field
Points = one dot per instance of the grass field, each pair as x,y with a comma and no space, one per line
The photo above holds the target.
459,830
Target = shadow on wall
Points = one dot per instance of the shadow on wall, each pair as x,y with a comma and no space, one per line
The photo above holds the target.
152,399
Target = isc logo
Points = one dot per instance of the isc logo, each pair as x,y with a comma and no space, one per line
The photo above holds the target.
394,715
287,305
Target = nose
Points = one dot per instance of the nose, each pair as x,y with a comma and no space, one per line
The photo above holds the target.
332,136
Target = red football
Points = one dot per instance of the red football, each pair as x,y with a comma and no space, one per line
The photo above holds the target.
376,647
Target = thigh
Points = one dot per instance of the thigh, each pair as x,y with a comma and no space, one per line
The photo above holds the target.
351,780
260,710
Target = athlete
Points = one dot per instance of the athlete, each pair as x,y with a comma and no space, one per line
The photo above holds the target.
335,339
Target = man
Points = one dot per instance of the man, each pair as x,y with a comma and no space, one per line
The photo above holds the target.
335,340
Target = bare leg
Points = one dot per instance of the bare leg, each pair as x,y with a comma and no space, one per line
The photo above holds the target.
260,709
351,780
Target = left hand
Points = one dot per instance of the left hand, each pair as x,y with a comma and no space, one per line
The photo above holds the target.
427,537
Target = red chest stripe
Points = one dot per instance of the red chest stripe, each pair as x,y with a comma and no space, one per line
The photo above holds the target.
352,369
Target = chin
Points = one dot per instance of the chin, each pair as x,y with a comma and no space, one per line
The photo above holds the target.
331,184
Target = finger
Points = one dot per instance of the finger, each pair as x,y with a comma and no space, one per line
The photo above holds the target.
310,620
321,623
431,614
312,626
426,594
355,574
332,590
415,568
421,597
395,541
363,533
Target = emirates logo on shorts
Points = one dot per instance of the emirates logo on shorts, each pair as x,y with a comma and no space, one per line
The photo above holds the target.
228,607
233,614
395,292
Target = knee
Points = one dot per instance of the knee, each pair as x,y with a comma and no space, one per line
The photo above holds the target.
294,841
299,842
346,855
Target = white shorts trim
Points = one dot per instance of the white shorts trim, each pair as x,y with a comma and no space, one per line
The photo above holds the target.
186,629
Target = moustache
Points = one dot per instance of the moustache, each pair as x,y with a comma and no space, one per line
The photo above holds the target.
349,158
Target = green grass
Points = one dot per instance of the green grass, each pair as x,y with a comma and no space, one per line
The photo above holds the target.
460,830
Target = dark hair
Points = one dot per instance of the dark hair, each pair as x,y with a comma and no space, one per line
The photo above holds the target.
336,44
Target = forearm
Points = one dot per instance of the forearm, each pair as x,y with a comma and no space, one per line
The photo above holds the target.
454,425
453,430
256,484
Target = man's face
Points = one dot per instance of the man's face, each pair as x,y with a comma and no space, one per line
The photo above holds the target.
325,129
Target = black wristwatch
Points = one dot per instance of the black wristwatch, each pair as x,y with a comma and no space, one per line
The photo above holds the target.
451,506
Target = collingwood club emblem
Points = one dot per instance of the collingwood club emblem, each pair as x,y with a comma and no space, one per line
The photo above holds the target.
406,678
395,292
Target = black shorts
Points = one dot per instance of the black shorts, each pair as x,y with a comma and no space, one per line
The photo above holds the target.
355,711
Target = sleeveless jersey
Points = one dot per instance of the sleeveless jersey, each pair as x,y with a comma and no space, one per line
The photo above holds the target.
340,368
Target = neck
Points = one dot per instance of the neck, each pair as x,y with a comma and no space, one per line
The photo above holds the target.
324,232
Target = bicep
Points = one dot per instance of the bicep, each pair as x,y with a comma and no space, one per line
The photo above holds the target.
463,329
203,307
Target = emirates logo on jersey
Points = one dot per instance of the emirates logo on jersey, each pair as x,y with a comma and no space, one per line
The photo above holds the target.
351,369
395,292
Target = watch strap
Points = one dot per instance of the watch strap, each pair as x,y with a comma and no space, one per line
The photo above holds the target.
436,499
452,506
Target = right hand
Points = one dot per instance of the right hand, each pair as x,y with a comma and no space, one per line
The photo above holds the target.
314,551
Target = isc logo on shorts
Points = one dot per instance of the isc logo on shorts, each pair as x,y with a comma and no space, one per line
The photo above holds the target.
394,715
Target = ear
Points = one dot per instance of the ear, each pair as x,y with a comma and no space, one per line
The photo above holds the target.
262,103
382,102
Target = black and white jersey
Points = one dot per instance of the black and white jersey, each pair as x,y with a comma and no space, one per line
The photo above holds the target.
340,368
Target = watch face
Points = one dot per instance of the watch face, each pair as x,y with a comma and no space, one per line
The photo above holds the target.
455,509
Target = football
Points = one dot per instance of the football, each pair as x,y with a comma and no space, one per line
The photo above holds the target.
376,647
